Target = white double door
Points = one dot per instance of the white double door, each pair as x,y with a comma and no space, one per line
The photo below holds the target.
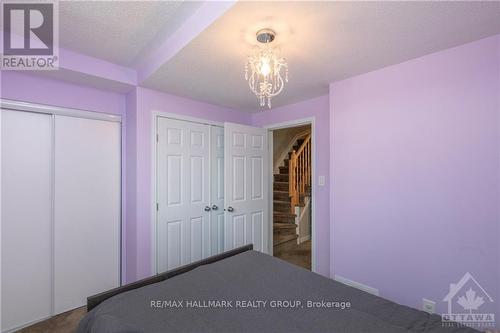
194,218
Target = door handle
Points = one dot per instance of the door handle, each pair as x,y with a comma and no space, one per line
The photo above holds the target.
214,207
230,209
207,208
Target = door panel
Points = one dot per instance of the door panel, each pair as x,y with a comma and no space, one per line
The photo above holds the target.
238,180
239,229
257,181
258,229
246,155
219,247
87,210
183,192
26,228
196,239
217,190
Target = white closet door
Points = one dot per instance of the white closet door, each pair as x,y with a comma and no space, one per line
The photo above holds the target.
246,184
217,189
87,209
183,229
26,225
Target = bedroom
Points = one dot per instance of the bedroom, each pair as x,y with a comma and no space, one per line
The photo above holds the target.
137,153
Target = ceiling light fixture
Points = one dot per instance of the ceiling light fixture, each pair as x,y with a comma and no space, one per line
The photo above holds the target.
264,67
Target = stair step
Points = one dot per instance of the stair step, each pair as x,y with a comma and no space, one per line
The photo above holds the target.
284,228
283,239
281,177
283,170
280,225
282,217
280,186
282,206
283,232
281,195
281,214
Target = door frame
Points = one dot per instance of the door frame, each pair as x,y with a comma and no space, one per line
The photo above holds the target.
287,124
154,153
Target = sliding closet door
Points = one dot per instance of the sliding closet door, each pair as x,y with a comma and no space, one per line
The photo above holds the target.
182,192
26,227
217,189
87,209
246,183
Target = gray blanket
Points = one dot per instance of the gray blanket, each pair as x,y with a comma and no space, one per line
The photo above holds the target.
254,292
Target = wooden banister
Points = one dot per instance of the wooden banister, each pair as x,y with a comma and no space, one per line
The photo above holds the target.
299,176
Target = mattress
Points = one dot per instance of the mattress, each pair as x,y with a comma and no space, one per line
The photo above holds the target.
254,292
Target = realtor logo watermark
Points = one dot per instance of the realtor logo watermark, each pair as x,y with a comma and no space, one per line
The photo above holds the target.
30,35
468,305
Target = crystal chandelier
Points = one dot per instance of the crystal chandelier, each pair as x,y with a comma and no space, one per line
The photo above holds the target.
264,68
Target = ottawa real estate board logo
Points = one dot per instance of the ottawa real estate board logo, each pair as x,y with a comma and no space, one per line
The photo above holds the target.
30,38
468,305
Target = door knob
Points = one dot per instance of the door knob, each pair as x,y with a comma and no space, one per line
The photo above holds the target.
207,208
214,207
230,209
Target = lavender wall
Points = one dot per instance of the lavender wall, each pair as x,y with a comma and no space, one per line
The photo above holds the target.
319,109
148,101
129,232
28,88
415,166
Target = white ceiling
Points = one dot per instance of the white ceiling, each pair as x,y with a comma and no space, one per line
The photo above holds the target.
322,41
119,31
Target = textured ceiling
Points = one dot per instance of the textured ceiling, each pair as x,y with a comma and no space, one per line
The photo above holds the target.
323,42
119,31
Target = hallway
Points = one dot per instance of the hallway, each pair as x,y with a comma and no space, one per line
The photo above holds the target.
297,254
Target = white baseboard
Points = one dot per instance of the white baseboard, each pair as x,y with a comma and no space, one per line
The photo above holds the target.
356,285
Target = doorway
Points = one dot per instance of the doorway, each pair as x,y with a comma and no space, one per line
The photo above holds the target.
292,193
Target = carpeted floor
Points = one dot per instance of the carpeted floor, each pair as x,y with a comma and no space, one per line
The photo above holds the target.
66,322
299,255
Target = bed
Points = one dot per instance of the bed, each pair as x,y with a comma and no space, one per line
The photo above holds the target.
246,291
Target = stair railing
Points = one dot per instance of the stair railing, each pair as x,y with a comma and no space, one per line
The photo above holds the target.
300,172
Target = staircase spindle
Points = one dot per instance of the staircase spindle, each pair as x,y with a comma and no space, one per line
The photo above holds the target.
299,176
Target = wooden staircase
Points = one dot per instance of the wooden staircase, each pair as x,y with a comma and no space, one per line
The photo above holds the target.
291,186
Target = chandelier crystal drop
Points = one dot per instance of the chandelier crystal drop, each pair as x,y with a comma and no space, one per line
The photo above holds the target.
266,71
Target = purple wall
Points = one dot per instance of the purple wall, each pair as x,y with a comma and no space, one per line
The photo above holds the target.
28,88
415,165
129,229
319,109
148,101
